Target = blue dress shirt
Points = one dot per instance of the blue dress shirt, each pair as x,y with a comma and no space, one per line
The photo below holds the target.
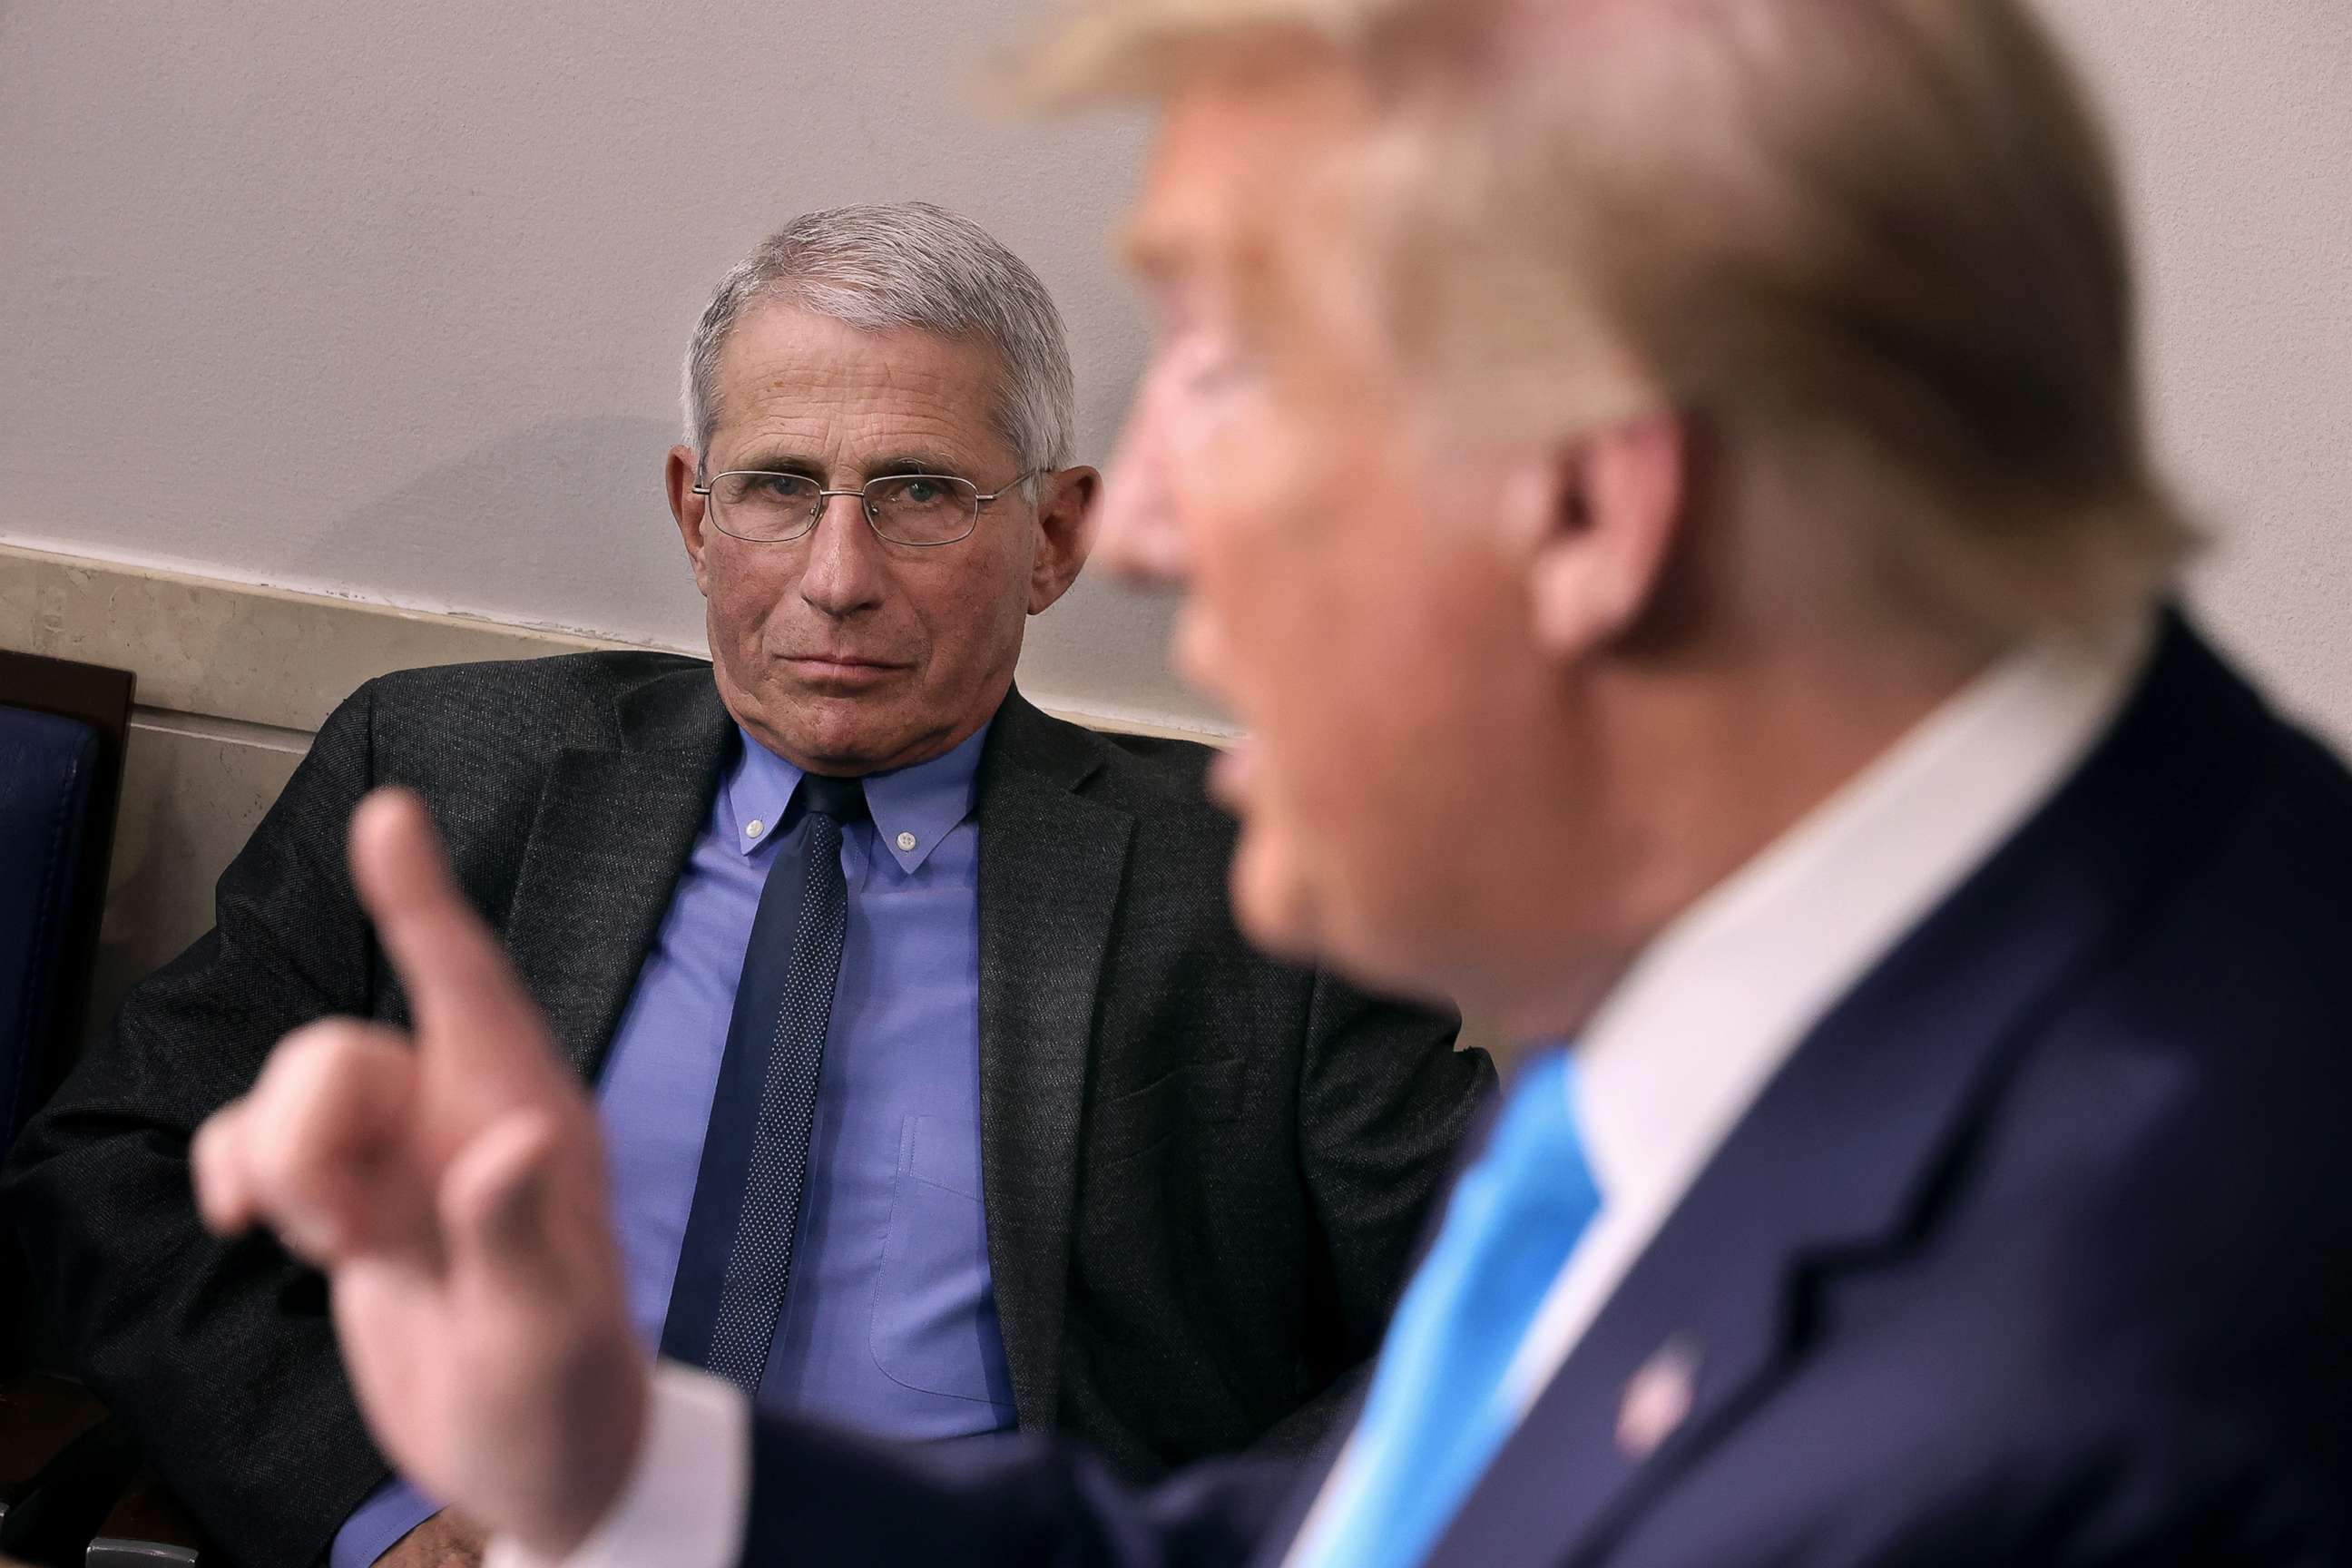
890,1323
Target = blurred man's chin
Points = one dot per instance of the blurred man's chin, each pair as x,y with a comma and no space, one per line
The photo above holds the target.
1273,903
1289,913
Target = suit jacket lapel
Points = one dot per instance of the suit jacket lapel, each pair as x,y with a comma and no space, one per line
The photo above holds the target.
1839,1160
613,832
1051,866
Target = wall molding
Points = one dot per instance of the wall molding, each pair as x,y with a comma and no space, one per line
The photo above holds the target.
280,658
234,680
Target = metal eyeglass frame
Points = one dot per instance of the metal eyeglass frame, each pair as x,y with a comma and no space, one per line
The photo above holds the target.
865,504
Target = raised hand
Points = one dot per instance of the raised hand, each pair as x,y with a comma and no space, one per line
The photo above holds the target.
453,1192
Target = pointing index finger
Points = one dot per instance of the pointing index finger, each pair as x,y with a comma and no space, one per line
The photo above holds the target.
471,1012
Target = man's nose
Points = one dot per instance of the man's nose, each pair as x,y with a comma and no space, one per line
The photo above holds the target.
1142,538
845,571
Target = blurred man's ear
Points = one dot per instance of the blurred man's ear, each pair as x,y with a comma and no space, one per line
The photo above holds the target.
689,509
1614,506
1067,510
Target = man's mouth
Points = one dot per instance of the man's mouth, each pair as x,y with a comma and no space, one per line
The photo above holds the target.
841,668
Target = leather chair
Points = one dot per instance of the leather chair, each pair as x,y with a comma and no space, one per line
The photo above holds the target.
72,1492
48,768
64,728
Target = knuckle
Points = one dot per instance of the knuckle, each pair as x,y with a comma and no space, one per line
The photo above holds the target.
297,1107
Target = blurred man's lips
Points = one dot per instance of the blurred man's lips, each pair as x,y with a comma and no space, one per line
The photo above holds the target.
1229,778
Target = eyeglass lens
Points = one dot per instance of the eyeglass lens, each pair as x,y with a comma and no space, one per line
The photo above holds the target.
910,509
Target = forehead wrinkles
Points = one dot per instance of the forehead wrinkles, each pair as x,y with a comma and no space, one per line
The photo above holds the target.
876,369
862,393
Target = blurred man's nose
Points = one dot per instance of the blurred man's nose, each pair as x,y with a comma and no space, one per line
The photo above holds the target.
845,571
1142,536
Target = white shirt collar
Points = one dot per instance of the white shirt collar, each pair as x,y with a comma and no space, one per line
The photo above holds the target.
1718,1001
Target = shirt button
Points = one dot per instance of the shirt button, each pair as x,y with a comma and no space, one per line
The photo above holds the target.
905,841
755,827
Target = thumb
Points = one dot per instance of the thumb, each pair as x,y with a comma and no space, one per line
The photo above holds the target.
499,1206
473,1017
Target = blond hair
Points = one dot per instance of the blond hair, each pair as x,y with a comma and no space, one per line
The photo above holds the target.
1886,227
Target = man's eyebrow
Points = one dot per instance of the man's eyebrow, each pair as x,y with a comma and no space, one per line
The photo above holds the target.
779,462
1156,244
786,461
915,463
1147,252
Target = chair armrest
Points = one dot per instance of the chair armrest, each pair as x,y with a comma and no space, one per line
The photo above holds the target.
68,1464
150,1528
39,1417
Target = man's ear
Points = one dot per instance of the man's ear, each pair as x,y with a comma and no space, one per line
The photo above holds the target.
1066,507
691,510
1616,504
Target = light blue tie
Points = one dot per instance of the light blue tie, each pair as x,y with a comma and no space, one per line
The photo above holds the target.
1438,1410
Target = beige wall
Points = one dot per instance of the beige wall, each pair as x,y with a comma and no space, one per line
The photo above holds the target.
385,301
2234,119
388,300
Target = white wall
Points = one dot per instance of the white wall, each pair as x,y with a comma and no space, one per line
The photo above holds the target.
2234,119
388,300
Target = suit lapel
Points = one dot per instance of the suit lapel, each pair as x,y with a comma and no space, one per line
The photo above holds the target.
613,832
1838,1161
1052,863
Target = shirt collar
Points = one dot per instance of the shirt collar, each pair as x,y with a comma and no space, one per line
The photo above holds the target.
913,808
1716,1004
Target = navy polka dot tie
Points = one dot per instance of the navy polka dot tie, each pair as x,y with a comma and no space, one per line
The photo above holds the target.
760,1265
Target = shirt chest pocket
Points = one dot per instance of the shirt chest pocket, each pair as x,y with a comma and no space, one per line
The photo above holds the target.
933,1324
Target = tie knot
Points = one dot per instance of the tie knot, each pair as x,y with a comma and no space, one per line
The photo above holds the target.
843,800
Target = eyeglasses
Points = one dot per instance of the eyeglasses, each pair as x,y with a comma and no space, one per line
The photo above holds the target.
924,510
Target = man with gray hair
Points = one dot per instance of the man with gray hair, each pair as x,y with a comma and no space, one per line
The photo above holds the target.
941,1095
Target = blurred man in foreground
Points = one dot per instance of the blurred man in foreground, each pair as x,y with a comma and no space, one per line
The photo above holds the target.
1663,480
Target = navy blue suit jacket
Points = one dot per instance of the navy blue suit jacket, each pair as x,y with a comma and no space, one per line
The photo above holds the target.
2038,1248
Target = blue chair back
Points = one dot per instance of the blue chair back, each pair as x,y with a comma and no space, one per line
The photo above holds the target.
50,787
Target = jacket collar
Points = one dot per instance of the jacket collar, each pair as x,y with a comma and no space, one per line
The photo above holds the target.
614,829
674,710
1053,863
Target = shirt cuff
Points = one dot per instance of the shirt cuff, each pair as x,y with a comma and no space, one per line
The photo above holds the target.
688,1500
379,1524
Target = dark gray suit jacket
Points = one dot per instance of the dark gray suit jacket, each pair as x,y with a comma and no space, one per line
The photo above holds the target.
1204,1171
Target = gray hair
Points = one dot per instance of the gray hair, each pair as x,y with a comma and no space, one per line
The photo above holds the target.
903,264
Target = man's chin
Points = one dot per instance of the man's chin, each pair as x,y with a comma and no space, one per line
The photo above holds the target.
837,750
